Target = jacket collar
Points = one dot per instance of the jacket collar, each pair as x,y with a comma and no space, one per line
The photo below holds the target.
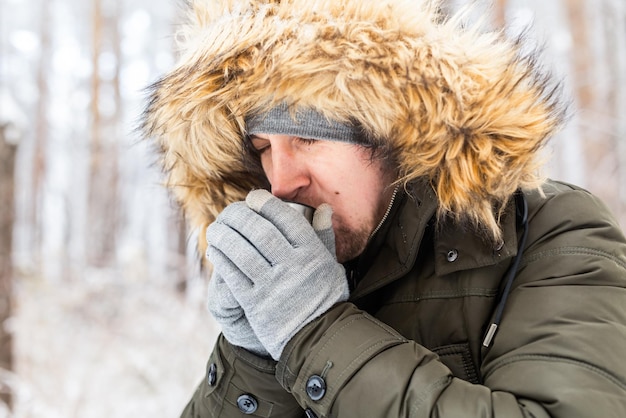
393,250
458,248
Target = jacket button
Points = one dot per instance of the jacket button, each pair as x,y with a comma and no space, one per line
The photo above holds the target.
309,413
452,255
211,375
315,388
247,404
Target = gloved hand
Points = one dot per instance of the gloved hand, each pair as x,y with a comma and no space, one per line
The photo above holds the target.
281,270
227,312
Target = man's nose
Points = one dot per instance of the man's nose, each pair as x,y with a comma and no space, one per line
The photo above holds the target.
288,173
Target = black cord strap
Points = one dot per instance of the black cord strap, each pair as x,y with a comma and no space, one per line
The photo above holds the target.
493,328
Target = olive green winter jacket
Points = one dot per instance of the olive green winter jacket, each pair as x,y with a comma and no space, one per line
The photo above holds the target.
464,112
409,343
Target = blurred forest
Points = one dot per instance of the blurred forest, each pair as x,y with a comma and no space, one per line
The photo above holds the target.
101,295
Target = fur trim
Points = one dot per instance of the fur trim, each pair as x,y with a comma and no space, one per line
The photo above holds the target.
461,107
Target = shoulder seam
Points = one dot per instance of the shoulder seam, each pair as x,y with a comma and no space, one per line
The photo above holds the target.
572,251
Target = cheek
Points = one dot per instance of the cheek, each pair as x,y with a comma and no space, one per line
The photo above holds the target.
355,209
357,195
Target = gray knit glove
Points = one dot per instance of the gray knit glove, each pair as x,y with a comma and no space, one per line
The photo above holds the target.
282,271
229,314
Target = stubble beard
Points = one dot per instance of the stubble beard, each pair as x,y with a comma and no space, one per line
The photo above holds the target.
350,243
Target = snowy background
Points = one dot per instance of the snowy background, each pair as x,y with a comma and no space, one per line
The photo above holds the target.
108,316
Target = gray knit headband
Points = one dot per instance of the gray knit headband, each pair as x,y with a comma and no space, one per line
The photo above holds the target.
304,123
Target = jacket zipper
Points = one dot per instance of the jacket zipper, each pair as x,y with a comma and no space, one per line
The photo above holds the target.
386,215
352,273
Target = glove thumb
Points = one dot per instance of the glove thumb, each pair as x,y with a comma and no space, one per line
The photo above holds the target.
323,226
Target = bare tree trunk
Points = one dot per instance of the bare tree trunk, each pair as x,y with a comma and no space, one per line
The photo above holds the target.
583,59
41,135
593,152
103,177
113,153
499,13
180,255
591,70
7,186
94,215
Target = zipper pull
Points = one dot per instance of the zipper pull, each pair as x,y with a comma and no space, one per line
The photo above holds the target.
490,334
351,279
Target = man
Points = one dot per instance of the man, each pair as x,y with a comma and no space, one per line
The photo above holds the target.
439,276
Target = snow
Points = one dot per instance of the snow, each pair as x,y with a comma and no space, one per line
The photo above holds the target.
122,341
107,347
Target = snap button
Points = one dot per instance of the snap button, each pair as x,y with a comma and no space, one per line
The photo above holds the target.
247,404
315,388
211,375
309,413
452,255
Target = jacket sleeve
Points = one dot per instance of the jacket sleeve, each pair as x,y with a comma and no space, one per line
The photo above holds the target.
238,383
558,353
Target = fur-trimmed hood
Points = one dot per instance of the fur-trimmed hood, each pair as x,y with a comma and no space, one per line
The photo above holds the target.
461,107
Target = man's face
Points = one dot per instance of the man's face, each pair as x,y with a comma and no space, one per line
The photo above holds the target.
343,175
